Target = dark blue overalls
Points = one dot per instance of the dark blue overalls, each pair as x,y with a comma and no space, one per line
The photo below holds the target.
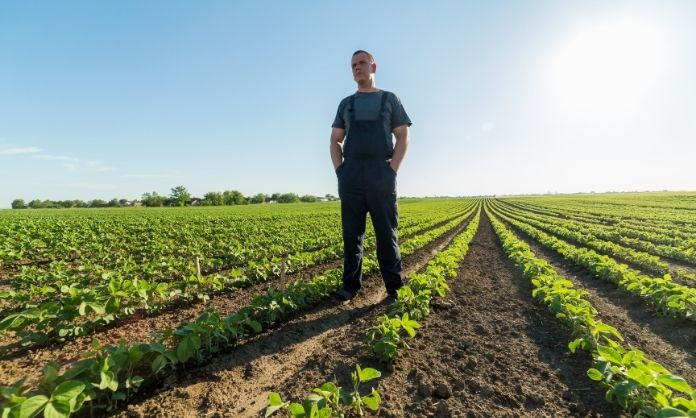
366,183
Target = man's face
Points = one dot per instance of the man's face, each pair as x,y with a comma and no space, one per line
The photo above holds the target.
362,68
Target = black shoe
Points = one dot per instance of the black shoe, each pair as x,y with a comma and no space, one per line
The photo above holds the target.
391,298
392,292
343,296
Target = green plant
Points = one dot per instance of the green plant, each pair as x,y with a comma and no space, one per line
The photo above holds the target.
390,331
385,337
330,400
638,384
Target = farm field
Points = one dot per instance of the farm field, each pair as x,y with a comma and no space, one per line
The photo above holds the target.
572,305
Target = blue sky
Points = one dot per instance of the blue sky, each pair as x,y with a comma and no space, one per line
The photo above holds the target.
117,98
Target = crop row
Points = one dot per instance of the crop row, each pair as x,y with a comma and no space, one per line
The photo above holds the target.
665,296
639,384
144,238
662,218
668,242
329,400
412,304
77,310
110,374
386,336
596,239
106,237
36,282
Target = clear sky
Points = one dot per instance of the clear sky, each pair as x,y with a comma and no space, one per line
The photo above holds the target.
116,98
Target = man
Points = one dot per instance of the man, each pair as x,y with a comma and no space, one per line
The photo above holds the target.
366,162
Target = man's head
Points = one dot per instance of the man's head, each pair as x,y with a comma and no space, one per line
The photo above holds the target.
364,67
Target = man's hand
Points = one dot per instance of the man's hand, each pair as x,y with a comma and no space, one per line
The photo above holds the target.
402,137
337,137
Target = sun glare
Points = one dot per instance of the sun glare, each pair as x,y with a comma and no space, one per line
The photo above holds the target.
607,66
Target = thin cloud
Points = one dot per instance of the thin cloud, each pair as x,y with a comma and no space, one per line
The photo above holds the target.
150,176
99,166
48,157
93,186
74,163
487,127
19,151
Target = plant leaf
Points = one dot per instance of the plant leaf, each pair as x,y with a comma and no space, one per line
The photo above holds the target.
32,406
675,382
609,354
67,390
595,374
373,400
185,350
368,374
159,363
57,409
275,402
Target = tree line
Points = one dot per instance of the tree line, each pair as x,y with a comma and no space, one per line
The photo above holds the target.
179,196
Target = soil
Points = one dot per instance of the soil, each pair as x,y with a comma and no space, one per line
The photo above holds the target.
675,266
485,350
8,307
20,361
669,341
274,355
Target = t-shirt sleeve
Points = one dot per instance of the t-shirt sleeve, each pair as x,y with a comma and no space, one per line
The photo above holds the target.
338,120
398,114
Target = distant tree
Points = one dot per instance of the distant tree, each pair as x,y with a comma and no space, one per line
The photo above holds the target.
228,197
180,196
288,198
97,203
259,198
66,204
36,204
114,203
275,197
233,197
19,204
330,197
123,202
79,204
213,199
152,199
308,198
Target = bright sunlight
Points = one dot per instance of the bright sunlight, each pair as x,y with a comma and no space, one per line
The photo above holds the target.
607,66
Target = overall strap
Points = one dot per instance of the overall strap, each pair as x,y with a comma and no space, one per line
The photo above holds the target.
351,107
384,100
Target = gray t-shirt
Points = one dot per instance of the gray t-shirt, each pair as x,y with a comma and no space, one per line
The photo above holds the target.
367,107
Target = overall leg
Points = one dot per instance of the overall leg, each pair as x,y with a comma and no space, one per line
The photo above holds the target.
353,218
381,202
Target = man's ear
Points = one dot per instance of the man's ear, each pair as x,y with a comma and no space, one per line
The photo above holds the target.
374,67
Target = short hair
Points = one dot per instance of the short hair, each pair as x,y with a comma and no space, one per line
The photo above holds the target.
369,56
